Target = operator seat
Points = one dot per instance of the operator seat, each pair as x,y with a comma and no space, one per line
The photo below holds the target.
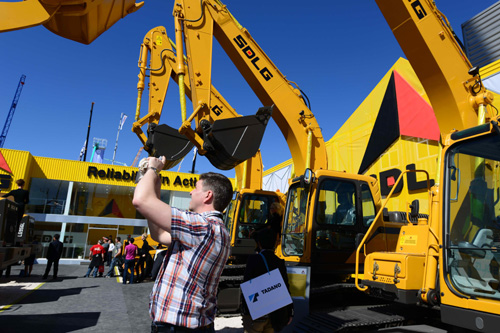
344,210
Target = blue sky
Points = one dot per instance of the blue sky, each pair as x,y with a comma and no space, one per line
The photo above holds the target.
336,51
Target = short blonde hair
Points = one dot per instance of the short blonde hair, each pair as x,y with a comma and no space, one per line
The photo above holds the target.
145,235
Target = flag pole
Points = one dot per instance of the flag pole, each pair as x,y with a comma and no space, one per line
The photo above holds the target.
123,117
194,159
88,132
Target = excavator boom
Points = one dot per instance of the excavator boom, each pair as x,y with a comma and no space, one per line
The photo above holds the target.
167,141
441,65
200,22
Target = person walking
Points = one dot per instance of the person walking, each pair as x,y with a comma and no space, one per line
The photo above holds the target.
130,254
53,255
184,295
143,265
96,257
105,245
36,248
110,253
117,255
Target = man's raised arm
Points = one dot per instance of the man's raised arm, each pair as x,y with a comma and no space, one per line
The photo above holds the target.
147,201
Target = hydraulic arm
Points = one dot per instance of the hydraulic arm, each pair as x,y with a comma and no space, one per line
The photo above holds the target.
240,217
164,140
198,22
453,86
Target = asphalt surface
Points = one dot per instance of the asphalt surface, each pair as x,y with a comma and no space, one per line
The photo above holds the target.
73,303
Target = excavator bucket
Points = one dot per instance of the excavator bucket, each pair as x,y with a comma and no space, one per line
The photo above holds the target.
85,20
229,142
164,140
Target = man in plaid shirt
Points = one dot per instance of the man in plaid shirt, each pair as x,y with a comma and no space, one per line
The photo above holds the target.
185,292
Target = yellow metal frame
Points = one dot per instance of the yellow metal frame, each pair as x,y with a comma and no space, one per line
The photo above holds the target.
212,19
163,65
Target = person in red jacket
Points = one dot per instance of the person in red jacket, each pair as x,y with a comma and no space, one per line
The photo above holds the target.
96,258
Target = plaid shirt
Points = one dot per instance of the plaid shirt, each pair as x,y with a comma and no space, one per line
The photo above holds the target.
185,291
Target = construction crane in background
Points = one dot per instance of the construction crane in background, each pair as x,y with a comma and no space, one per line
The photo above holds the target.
10,115
136,159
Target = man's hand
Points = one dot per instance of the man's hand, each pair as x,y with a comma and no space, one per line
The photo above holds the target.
158,163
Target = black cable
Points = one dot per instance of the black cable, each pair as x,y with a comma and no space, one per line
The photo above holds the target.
162,62
308,103
201,5
494,108
477,84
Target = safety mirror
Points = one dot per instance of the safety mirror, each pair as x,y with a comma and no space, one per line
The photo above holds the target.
308,176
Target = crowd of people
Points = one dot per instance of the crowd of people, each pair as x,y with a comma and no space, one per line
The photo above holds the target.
134,264
106,256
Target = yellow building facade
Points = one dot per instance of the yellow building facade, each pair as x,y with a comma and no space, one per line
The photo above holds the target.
84,201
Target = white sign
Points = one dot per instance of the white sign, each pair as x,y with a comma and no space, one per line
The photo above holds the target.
265,293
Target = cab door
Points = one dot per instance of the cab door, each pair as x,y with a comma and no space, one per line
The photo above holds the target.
343,211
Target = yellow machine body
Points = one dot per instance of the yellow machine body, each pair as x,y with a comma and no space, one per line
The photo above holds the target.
448,258
322,240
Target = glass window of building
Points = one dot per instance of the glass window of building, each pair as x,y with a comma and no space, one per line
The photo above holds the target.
102,200
47,196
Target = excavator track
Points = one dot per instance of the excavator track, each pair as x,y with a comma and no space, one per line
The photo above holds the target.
332,288
367,318
351,319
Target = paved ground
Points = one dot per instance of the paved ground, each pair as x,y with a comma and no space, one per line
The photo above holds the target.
76,304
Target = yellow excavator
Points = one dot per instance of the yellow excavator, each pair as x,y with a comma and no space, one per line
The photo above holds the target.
327,212
164,140
250,208
79,20
448,258
451,258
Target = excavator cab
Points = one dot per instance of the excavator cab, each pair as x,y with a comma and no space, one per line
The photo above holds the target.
250,210
473,225
325,215
79,20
